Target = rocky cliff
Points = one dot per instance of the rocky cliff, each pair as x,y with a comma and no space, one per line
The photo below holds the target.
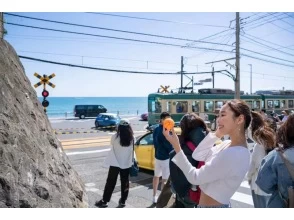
34,170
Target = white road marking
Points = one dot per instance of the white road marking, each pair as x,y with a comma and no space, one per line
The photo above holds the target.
87,152
245,184
241,197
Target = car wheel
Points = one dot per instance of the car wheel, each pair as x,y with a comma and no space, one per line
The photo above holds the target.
96,124
82,116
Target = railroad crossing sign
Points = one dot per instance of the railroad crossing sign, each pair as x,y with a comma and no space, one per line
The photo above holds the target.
44,80
164,89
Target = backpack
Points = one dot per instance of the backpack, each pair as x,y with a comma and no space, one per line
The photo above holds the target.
290,202
187,195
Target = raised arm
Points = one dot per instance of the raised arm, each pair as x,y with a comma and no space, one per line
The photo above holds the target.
204,150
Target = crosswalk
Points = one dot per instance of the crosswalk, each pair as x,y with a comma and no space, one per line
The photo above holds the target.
243,195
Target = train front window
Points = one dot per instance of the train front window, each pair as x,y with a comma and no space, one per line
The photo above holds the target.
290,104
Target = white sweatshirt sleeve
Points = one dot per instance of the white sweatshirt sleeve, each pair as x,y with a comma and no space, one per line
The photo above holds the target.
213,170
256,158
203,151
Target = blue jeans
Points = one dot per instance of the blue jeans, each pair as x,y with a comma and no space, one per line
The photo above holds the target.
214,206
259,201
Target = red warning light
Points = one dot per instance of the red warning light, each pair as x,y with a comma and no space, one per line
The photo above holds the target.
45,93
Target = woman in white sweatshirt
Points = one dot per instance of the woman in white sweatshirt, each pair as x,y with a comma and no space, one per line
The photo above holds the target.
225,164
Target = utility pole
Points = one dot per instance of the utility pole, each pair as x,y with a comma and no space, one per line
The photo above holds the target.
182,70
250,78
237,82
1,25
212,77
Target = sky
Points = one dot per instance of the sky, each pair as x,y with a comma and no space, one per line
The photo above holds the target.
266,35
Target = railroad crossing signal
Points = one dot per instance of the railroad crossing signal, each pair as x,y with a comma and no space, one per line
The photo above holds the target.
164,89
44,80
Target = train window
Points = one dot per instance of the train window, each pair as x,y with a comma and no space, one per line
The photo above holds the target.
270,104
195,106
182,106
155,106
168,106
249,103
208,106
218,104
283,104
290,104
256,104
277,103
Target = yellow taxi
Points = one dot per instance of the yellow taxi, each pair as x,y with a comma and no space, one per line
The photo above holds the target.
145,152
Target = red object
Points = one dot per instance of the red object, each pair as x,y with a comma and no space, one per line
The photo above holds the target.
195,195
45,93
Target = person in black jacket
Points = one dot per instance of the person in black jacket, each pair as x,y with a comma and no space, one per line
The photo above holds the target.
194,131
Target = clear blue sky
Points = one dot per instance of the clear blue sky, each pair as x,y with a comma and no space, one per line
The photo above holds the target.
274,30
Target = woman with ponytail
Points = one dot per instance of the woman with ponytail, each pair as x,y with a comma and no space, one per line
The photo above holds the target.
265,141
226,164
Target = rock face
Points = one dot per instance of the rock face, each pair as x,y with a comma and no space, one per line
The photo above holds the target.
34,170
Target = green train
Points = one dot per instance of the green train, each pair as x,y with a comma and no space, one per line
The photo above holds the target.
207,101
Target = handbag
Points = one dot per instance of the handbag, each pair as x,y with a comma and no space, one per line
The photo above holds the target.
290,202
134,170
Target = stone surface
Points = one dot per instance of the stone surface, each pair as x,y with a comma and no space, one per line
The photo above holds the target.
34,170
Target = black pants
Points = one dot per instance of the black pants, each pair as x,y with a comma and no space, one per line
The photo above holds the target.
111,182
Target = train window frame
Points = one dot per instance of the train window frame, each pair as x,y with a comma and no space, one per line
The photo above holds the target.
169,106
208,109
195,106
277,104
181,106
272,104
291,101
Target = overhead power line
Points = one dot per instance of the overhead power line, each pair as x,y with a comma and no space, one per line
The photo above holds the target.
264,45
153,42
94,68
152,19
117,38
110,29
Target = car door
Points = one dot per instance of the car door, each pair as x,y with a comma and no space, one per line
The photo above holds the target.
145,151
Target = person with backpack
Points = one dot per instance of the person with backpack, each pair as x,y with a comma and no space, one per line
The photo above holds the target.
193,132
263,145
274,176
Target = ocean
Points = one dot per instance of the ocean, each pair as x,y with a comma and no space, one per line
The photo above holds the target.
62,107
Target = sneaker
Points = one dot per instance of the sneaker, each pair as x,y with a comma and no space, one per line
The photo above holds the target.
101,204
121,204
155,199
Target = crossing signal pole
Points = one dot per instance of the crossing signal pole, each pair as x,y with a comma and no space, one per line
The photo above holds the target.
44,80
237,82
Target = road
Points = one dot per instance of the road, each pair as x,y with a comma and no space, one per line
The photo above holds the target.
88,151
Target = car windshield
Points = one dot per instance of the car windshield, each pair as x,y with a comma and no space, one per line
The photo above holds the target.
113,117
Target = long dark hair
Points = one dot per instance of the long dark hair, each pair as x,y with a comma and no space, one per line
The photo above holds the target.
125,134
261,132
189,122
285,134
